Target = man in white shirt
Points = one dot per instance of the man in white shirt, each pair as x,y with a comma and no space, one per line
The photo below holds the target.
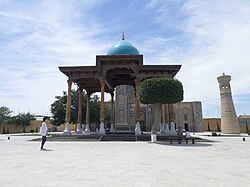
188,134
43,133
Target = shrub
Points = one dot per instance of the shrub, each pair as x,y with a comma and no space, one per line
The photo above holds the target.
214,134
160,90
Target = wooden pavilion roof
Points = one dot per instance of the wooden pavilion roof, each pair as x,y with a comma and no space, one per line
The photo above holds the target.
116,70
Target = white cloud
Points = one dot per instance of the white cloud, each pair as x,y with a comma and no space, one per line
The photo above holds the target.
36,42
218,39
205,37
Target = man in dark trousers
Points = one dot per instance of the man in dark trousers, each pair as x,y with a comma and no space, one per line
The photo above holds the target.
43,133
180,134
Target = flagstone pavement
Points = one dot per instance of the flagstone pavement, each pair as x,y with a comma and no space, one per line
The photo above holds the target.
224,162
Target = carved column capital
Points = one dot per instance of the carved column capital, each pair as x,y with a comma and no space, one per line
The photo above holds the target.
102,80
69,82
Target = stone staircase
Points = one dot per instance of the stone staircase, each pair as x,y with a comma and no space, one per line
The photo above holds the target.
118,137
73,137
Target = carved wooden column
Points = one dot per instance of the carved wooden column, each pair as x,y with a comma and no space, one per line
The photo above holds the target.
163,114
112,114
166,126
79,115
87,129
102,130
172,119
171,113
163,119
68,110
137,109
167,113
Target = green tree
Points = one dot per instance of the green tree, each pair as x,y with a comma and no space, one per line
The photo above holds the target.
58,108
74,105
5,113
158,91
94,110
24,119
11,120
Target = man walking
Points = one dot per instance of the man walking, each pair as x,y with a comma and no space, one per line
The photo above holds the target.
43,133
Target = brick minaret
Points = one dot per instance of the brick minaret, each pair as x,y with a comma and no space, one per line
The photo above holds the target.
229,120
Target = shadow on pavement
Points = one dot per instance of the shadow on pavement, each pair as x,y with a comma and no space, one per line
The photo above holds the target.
183,144
47,150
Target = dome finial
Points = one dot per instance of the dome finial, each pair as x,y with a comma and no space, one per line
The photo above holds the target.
123,38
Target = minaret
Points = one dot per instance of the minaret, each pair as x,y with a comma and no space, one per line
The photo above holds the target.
229,120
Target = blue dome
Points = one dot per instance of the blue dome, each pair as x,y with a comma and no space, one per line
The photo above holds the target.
123,48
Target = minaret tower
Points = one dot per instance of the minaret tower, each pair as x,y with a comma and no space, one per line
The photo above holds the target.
229,120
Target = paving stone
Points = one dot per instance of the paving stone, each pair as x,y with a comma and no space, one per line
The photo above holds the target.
224,162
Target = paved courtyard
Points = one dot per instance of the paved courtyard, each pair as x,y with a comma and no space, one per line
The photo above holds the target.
225,162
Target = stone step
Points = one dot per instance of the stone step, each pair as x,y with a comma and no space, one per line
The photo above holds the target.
114,137
118,137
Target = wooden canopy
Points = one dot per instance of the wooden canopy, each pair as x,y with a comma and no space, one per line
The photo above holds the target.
116,70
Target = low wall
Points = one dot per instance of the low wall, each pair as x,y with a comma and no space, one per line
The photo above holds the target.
34,127
214,124
13,128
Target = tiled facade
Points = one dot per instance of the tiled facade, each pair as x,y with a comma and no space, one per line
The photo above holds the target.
188,115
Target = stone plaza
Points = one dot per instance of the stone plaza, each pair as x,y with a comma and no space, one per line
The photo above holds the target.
221,162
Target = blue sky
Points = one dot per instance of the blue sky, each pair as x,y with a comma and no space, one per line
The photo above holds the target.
206,37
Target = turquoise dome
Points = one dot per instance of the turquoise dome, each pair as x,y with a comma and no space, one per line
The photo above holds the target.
123,48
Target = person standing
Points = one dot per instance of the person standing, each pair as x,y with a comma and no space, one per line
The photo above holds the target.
43,133
180,134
